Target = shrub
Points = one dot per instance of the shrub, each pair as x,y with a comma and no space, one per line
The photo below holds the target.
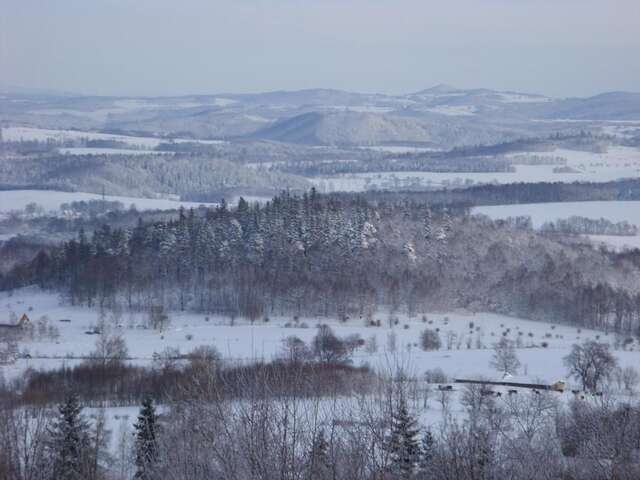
435,375
328,348
430,340
353,342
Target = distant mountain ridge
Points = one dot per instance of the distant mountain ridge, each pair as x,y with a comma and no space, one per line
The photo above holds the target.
440,115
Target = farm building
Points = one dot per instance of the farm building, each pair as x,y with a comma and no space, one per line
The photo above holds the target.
11,330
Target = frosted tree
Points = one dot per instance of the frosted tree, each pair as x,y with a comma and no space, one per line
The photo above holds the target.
146,441
319,462
504,358
69,442
590,363
428,226
427,453
403,444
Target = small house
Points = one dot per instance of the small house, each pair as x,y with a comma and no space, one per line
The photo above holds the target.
13,330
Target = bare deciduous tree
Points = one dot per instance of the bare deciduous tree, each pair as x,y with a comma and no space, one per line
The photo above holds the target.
504,358
590,363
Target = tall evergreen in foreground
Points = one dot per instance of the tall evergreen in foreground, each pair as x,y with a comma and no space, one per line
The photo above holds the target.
146,441
403,445
69,441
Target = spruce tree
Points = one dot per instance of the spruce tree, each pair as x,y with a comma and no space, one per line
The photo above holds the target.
403,445
427,452
69,441
146,442
428,226
319,464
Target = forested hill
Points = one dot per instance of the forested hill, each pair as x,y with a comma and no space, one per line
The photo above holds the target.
346,257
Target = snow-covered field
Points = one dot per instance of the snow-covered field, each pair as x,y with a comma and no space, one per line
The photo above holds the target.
540,213
108,151
616,163
454,110
616,242
399,149
467,338
42,135
547,212
51,200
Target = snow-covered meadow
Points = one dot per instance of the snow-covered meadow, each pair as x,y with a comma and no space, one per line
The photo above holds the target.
467,338
540,213
16,134
51,200
549,212
618,162
108,151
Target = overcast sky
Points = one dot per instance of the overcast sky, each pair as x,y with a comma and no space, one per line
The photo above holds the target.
166,47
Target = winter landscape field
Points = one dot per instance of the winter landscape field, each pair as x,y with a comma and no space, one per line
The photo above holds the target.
321,240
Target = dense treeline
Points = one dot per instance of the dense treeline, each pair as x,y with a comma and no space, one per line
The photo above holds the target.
123,384
187,175
586,226
399,163
541,192
340,256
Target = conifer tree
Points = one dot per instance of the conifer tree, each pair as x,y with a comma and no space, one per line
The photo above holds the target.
428,226
403,445
69,441
427,452
146,441
319,465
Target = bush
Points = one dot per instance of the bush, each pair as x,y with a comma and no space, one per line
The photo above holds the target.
294,350
430,340
435,375
353,342
328,348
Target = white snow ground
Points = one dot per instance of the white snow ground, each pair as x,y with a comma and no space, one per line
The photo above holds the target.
467,355
51,200
616,163
550,212
42,135
547,212
108,151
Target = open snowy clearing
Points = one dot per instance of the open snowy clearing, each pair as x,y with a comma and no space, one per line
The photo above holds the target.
616,163
550,212
616,242
358,182
17,134
108,151
454,110
400,149
540,213
51,200
467,338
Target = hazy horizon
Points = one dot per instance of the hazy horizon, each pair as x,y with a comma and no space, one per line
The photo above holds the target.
154,48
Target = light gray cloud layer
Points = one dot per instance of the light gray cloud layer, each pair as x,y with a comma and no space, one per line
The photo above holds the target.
160,47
